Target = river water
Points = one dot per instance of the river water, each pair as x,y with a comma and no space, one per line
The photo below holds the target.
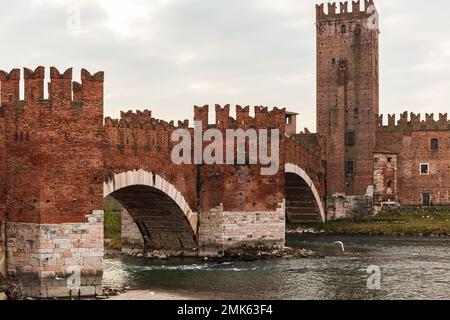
411,268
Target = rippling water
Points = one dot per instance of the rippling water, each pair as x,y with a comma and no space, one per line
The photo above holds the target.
411,268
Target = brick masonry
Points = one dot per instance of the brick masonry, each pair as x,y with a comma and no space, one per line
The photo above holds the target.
58,155
220,230
132,240
48,256
408,144
351,130
2,249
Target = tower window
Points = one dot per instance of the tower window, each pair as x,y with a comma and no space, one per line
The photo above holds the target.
356,112
350,138
434,144
350,166
424,168
333,62
288,119
343,29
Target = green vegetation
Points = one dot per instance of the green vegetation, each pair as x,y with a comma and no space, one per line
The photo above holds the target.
112,225
427,223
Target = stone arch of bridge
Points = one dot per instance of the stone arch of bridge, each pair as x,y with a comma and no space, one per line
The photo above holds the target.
303,201
160,212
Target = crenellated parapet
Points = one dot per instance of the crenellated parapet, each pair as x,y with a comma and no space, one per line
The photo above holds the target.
344,11
142,120
263,117
62,92
415,122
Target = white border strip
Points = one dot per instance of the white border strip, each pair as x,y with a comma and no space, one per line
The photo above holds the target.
292,168
141,177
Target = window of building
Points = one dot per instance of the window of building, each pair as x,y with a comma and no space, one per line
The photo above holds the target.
350,138
389,184
343,29
424,168
333,62
434,144
389,160
350,166
288,119
356,112
426,199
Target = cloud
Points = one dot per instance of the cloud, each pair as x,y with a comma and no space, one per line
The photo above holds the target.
172,54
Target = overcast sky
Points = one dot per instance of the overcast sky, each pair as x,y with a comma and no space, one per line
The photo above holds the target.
168,55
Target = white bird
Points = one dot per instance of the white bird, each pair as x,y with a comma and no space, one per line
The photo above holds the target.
341,244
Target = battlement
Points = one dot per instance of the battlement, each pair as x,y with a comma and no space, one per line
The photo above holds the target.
346,11
62,91
263,118
142,120
414,122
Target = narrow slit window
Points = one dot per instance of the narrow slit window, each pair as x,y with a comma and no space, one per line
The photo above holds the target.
350,166
434,144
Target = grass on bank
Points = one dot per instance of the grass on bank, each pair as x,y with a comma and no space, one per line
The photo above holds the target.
112,228
395,223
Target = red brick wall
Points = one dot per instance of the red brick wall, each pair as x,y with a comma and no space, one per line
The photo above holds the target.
241,187
347,94
139,141
303,150
54,147
411,141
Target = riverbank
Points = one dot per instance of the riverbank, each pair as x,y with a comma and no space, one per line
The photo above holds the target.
159,295
433,223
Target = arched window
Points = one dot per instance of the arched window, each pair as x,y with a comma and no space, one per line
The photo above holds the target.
434,144
356,112
389,184
343,29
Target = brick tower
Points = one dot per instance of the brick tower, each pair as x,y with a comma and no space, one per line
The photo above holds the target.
347,97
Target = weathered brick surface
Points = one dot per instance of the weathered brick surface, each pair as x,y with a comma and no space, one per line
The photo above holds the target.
139,141
347,94
348,103
54,147
48,254
408,143
51,174
220,230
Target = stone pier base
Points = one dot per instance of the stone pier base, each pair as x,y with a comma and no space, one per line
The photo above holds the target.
221,230
57,260
132,240
341,207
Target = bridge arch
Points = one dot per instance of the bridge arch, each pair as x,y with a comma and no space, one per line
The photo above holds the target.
302,197
161,213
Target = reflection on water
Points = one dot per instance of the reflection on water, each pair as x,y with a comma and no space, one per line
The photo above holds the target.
412,268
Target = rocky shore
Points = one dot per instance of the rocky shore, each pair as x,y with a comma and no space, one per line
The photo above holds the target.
243,253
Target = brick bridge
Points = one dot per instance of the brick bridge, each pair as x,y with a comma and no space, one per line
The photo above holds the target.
59,159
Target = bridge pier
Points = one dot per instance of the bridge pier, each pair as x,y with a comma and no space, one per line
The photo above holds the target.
221,230
57,260
131,236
